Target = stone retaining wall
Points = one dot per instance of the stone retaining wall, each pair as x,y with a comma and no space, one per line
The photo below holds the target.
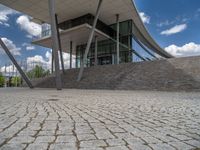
171,74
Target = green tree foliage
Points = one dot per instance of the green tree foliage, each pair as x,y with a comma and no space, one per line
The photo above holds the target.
16,81
2,80
38,72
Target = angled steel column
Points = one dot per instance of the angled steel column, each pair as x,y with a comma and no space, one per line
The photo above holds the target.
71,48
90,40
96,52
55,43
60,45
117,21
16,64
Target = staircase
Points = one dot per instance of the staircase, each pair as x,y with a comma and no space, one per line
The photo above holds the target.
171,74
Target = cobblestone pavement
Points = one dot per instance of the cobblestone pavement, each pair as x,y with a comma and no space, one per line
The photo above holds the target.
97,120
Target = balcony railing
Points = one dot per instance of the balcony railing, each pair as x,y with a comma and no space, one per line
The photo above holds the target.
46,33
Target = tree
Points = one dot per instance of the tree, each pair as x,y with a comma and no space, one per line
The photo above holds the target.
15,81
2,80
38,72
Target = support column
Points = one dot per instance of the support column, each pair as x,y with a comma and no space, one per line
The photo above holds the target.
96,52
117,21
52,60
90,40
60,45
26,79
55,43
71,48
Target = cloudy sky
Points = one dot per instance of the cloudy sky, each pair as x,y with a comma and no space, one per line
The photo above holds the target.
174,24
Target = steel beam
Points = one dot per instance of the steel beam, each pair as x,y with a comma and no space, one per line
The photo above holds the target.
117,22
26,79
60,45
55,43
144,48
96,51
90,40
71,48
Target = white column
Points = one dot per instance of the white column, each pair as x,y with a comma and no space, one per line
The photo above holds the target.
96,51
117,21
60,45
55,43
71,48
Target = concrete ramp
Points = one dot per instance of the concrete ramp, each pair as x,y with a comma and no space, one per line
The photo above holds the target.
171,74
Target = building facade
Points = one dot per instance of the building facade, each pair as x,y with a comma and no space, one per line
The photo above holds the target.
96,32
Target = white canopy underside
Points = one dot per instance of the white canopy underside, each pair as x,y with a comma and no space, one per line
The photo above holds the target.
69,9
78,35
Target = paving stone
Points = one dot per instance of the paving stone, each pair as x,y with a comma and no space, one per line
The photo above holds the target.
93,143
13,146
86,137
21,140
66,139
41,146
63,146
139,146
181,145
104,134
117,148
96,120
115,142
92,148
161,146
193,143
151,140
44,139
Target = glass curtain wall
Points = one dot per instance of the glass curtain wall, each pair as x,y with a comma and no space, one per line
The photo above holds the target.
107,48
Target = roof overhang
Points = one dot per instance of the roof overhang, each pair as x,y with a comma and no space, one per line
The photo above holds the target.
78,35
69,9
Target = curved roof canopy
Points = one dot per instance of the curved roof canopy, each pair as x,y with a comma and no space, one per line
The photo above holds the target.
69,9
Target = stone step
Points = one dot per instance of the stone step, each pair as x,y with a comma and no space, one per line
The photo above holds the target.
170,74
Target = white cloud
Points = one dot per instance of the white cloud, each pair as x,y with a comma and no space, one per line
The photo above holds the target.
11,46
36,59
165,23
5,12
174,30
28,46
45,61
30,27
190,49
5,24
8,70
25,44
145,18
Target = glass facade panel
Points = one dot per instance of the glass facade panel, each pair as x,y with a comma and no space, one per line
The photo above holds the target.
89,19
107,48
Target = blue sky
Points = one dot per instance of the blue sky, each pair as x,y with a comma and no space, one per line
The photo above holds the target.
174,24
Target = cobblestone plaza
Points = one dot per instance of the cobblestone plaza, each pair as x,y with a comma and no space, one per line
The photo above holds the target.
96,120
